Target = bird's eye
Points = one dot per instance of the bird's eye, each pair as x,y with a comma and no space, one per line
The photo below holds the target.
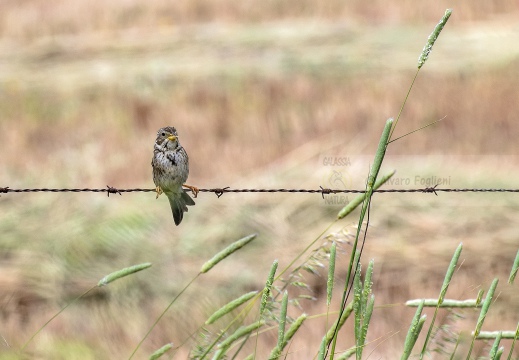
163,134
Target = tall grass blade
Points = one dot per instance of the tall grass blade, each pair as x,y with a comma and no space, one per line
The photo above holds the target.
157,354
483,314
515,267
339,322
412,333
366,318
443,291
322,349
368,283
379,157
447,303
357,200
220,353
481,292
432,38
293,329
268,287
499,352
491,335
226,252
276,352
486,306
450,273
357,308
122,273
282,319
347,354
227,308
377,163
241,332
420,325
516,336
422,59
495,347
331,274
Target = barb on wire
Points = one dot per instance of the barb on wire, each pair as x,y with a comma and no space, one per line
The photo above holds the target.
431,190
220,191
326,191
112,190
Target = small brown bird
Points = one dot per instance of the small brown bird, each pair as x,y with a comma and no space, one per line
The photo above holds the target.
170,171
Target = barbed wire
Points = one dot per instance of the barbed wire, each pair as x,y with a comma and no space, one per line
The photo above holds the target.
220,191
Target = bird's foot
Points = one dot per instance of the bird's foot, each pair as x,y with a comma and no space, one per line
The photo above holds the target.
159,191
194,190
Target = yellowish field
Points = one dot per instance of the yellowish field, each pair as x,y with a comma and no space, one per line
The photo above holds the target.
260,94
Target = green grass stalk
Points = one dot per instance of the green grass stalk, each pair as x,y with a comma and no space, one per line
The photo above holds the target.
331,274
483,314
227,308
515,267
432,38
268,287
447,303
293,329
379,157
479,299
366,318
495,347
347,354
516,336
357,309
226,252
412,333
240,332
489,335
357,200
205,268
368,283
443,291
276,352
157,354
423,58
282,319
322,349
122,273
339,322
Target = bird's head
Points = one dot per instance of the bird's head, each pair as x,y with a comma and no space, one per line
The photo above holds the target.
167,137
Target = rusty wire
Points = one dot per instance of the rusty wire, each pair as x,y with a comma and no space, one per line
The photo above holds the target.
220,191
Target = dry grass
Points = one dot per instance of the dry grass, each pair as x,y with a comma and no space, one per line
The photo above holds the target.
84,88
28,20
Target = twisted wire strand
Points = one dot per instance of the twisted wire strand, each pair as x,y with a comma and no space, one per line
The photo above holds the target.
220,191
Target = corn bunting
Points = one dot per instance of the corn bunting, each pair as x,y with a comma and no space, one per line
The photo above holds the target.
170,170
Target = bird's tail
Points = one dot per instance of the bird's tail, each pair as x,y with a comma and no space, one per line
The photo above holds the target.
179,203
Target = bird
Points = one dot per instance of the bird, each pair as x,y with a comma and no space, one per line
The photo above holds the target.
170,165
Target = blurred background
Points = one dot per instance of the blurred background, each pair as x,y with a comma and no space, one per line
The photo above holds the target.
270,94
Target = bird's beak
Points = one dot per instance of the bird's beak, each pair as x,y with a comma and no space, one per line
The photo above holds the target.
172,137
